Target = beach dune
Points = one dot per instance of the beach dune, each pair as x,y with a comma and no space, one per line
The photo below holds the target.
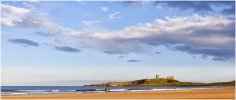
177,94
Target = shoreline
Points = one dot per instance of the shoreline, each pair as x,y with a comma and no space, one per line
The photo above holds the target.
228,93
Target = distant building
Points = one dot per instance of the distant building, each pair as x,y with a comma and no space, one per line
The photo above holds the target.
157,76
168,77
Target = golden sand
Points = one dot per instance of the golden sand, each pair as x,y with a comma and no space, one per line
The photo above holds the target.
174,94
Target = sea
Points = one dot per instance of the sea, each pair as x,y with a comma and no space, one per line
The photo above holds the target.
27,90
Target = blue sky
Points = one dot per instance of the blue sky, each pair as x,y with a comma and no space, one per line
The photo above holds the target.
78,42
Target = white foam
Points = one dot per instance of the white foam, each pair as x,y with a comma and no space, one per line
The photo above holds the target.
140,90
18,93
33,90
70,90
55,90
162,89
118,90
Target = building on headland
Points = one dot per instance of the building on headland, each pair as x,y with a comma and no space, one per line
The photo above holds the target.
157,76
168,77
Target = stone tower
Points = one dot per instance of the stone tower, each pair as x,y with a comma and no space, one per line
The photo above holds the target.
157,76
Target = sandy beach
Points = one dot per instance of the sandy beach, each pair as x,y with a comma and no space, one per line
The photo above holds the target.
180,94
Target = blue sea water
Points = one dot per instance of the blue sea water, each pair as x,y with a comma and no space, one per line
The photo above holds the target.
22,90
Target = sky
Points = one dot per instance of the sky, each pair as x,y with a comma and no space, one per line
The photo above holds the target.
84,42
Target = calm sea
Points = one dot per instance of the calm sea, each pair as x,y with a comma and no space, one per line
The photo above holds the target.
22,90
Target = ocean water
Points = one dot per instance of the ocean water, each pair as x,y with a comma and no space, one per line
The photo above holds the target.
23,90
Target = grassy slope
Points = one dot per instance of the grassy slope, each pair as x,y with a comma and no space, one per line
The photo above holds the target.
163,82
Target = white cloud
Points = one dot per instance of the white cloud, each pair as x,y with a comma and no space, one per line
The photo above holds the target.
104,9
115,15
20,17
206,35
196,34
192,27
12,15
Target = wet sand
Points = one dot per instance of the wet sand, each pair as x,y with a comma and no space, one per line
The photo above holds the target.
174,94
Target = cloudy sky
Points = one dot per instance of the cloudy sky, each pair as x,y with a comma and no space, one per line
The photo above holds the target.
78,42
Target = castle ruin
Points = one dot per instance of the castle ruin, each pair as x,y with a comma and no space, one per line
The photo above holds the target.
168,77
157,76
